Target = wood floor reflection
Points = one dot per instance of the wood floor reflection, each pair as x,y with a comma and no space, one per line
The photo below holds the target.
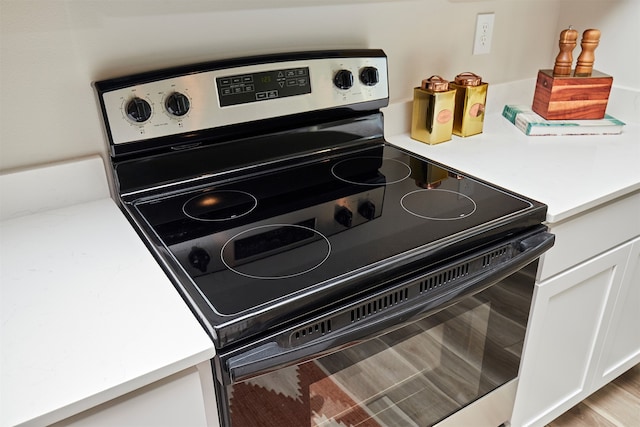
615,405
413,376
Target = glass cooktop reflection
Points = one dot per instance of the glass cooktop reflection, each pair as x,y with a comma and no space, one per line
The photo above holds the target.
255,240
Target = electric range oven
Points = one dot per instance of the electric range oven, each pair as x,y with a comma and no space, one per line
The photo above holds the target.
343,281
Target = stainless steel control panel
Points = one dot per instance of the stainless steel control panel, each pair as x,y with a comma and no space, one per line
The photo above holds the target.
210,99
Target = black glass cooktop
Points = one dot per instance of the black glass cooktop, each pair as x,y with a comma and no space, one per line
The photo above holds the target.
253,241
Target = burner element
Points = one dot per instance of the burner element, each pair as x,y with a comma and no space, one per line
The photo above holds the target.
264,252
439,205
371,170
220,205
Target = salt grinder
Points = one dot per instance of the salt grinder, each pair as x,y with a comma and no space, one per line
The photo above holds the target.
433,105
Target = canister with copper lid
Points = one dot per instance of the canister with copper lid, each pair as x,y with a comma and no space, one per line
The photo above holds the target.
471,96
433,105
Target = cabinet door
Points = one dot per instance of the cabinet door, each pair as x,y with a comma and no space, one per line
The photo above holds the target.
566,316
621,346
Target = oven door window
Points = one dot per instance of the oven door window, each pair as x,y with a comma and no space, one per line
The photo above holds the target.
414,376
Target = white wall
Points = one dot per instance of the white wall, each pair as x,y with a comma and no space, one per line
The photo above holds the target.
51,50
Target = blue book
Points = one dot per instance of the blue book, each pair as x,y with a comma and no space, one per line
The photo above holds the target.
530,123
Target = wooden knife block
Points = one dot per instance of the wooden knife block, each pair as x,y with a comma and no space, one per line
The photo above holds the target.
562,98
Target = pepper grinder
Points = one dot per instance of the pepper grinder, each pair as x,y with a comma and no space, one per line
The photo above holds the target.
564,60
589,43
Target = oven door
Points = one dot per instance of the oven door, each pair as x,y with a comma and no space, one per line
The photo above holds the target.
393,358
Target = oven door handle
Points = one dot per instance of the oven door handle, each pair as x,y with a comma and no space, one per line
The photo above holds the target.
269,354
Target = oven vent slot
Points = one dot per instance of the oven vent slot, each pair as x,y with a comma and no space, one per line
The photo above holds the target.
423,287
436,280
488,259
319,328
385,301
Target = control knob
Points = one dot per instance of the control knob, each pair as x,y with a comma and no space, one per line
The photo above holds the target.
344,217
177,104
138,110
368,210
369,76
199,258
343,79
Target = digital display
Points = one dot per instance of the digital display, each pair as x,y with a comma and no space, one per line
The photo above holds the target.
245,88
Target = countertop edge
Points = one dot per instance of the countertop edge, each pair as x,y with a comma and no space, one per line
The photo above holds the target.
120,390
596,202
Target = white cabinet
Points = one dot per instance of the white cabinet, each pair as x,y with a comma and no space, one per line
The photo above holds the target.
182,399
621,346
583,323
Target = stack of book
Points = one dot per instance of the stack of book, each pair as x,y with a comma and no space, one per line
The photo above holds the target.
531,123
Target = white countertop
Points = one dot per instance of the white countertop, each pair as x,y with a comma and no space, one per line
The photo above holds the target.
570,174
87,313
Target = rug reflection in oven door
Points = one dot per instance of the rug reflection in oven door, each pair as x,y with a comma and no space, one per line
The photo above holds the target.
414,376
